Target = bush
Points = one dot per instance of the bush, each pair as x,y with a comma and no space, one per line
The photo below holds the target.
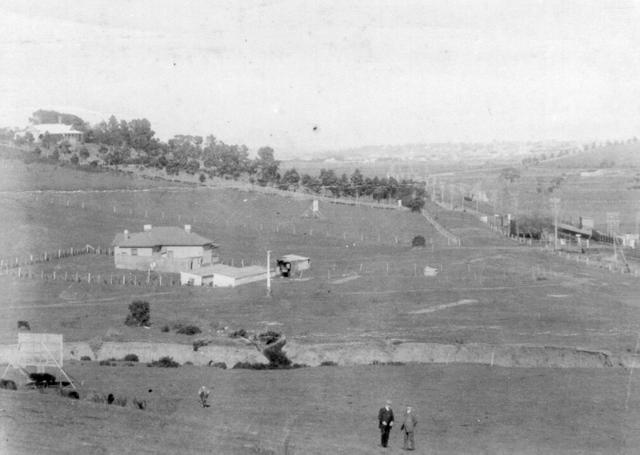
139,314
74,159
24,325
107,363
418,241
189,330
130,358
277,358
42,379
416,204
238,333
199,343
328,363
220,365
165,328
269,337
164,362
8,384
85,358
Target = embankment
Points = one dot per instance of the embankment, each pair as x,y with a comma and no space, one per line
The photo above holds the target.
526,356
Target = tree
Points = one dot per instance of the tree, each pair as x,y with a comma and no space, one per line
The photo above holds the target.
140,134
291,178
139,313
266,166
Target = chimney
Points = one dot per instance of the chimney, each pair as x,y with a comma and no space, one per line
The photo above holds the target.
126,234
187,228
147,227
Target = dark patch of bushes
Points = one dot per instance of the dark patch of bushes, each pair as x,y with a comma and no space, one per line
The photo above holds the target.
277,358
266,366
24,325
220,365
269,337
8,384
139,314
107,363
42,379
85,358
189,330
418,241
199,344
165,328
130,358
164,362
328,363
238,333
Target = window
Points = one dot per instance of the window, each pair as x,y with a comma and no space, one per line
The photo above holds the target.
134,251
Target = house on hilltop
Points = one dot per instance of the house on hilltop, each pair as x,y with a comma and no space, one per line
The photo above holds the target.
163,249
57,131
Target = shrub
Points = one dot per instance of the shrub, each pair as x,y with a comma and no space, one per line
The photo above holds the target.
130,358
199,343
238,333
251,366
139,314
106,363
165,328
74,159
24,325
269,337
328,363
202,178
418,241
164,362
85,358
140,404
189,330
220,365
42,379
277,358
415,204
8,384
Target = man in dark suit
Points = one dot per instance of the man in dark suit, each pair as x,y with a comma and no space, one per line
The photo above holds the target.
385,422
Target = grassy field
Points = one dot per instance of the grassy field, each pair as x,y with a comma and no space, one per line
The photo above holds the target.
366,285
460,409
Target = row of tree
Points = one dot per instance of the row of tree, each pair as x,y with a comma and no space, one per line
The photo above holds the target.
133,142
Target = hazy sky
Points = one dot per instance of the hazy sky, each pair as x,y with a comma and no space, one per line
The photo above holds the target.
370,72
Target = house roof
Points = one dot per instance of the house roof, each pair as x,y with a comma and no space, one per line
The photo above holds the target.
161,236
293,258
52,128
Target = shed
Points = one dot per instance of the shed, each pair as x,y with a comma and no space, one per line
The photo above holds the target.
220,275
292,263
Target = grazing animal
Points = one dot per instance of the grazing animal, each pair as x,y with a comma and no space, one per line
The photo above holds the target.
203,394
24,325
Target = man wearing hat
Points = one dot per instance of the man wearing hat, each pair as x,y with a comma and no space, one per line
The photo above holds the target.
385,422
408,427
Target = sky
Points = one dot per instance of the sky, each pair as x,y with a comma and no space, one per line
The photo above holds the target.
305,76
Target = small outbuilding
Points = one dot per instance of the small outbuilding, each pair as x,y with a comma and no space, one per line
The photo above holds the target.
223,276
293,264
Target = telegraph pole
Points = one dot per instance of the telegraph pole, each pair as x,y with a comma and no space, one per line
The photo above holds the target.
556,208
268,273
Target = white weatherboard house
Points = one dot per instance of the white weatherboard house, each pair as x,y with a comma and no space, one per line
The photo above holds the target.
58,131
220,275
163,249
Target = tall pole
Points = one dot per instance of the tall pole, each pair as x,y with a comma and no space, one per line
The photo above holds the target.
556,207
268,273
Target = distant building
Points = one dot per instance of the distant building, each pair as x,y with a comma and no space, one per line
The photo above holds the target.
290,264
220,275
57,131
163,249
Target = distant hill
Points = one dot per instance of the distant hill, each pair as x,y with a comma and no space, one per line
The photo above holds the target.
607,156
